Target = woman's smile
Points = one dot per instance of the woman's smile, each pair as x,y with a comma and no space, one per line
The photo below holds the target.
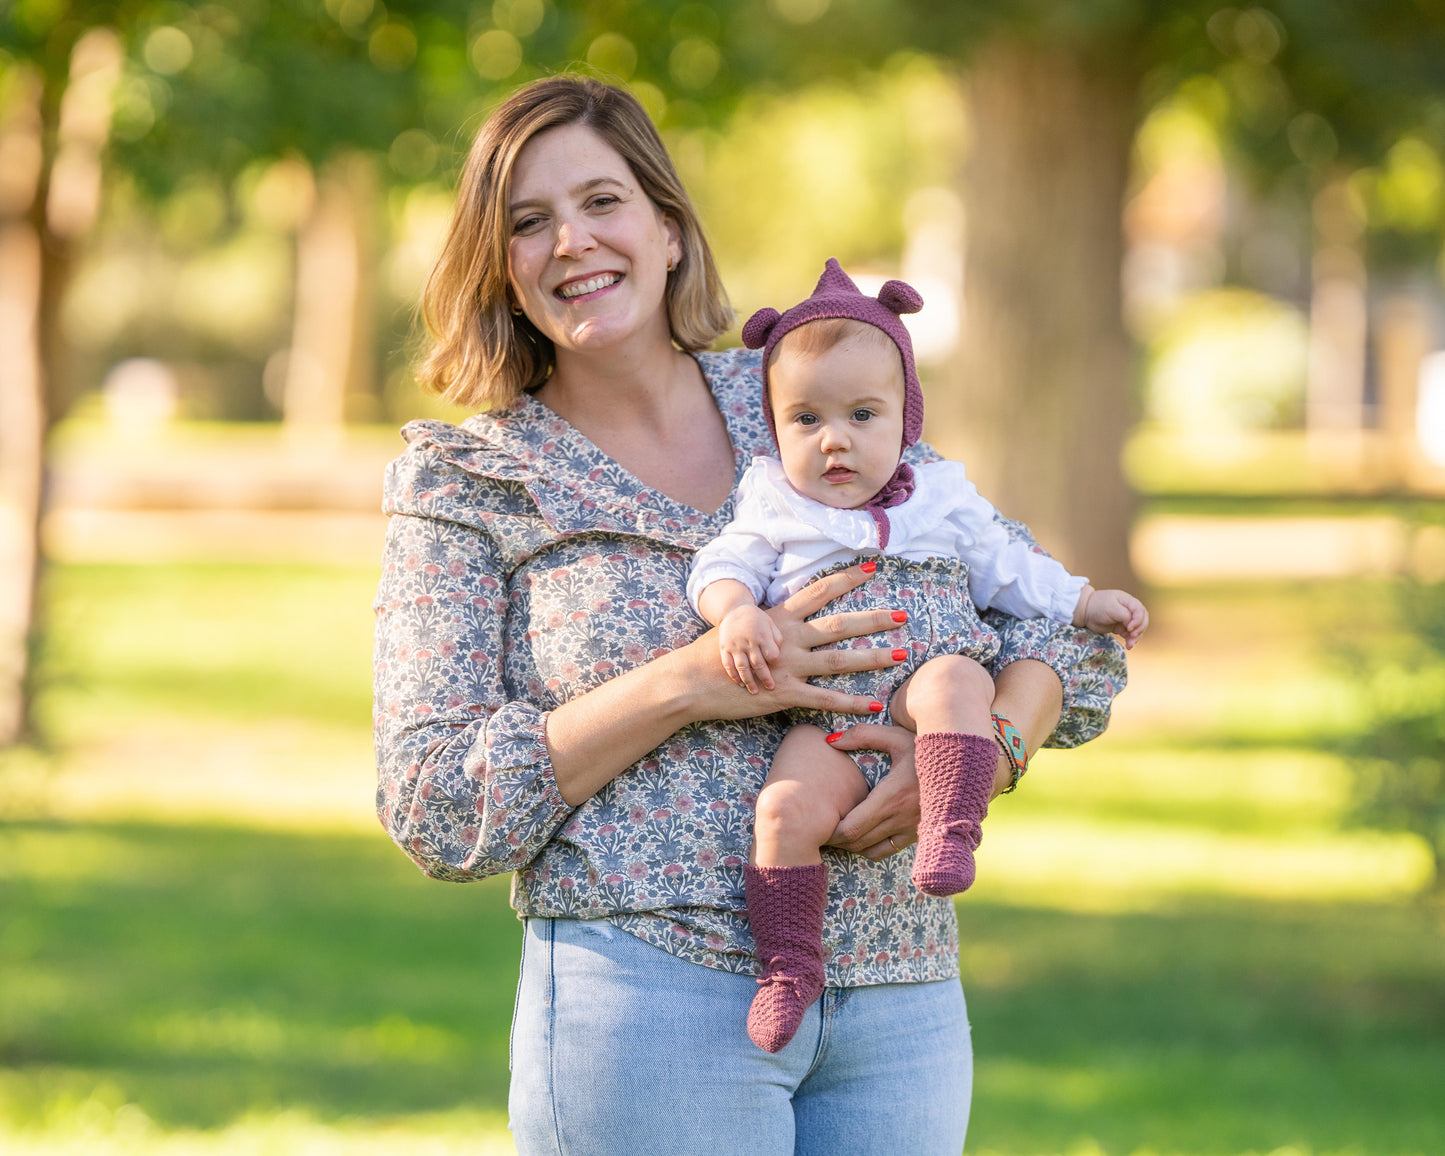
587,286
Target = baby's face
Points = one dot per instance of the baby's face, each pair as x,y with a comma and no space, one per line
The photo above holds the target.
839,416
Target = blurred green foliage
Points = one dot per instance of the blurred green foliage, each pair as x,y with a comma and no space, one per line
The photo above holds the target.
1399,758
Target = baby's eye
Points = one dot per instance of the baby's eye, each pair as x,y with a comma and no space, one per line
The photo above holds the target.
806,419
862,414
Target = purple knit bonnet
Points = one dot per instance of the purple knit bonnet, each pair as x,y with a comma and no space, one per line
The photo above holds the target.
837,296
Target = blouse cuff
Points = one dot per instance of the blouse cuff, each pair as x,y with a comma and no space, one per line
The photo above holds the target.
1091,668
519,804
714,570
1066,599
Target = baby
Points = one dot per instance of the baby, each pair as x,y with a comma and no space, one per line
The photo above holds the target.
842,398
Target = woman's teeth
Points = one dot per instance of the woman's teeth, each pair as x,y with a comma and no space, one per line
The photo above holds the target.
577,288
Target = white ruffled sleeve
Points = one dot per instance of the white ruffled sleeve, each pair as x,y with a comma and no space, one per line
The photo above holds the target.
1005,573
745,550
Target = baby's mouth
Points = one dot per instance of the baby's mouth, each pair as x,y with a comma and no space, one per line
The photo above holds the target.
839,474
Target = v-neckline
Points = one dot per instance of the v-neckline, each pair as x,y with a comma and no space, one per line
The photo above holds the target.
539,416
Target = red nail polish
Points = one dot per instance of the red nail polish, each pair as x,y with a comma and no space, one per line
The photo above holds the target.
834,737
869,567
900,616
899,655
875,707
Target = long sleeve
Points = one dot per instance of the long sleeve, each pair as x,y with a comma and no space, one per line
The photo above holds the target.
465,785
1004,573
745,551
1091,667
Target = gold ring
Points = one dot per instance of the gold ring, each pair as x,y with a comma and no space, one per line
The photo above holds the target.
891,843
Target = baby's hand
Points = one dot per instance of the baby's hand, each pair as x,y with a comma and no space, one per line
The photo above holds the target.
1116,612
749,641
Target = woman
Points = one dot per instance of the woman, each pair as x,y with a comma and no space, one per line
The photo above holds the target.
546,702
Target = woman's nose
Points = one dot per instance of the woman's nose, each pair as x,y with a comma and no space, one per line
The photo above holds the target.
573,239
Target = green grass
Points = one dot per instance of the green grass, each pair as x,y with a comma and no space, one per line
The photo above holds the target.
205,974
1174,948
209,972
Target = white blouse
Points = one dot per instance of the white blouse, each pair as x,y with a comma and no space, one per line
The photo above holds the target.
778,539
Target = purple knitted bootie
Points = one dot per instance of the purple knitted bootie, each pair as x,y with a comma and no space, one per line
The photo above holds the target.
785,907
955,782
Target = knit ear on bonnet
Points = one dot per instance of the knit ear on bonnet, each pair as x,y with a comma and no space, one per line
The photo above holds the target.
897,296
760,324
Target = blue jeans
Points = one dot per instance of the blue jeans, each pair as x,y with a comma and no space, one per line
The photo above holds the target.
619,1047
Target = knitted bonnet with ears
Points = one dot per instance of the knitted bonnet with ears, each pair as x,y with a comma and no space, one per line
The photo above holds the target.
836,296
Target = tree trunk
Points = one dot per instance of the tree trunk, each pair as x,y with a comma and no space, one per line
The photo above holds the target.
330,358
22,470
47,205
1042,401
22,399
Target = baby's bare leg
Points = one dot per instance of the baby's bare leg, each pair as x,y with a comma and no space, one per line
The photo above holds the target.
946,704
810,787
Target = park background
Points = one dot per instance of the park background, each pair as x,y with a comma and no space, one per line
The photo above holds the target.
1184,271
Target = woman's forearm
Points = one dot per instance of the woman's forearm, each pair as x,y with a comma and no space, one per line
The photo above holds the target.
1027,693
595,737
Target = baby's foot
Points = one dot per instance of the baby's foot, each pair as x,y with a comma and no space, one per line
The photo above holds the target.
783,999
785,908
943,864
955,781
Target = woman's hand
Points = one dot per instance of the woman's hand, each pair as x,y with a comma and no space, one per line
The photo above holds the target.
887,819
599,734
714,695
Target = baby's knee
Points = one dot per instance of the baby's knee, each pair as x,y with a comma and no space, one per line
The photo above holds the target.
793,811
953,678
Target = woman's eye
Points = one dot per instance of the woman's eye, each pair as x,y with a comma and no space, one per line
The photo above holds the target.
862,414
526,224
605,201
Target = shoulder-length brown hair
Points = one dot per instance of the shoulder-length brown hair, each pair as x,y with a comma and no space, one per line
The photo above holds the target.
484,355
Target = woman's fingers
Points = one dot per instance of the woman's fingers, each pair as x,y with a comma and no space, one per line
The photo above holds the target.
849,624
886,821
817,594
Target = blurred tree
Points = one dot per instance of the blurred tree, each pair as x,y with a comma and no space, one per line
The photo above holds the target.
57,75
1399,760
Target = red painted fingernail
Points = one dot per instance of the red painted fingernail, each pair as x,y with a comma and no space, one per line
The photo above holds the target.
899,655
900,616
875,707
834,737
869,567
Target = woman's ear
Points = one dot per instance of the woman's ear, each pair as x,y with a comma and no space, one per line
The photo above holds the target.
674,243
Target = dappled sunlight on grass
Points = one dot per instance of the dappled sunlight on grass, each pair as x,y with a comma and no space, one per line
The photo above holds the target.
1174,949
101,1123
1090,865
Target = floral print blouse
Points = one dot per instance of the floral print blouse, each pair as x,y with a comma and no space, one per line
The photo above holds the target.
523,567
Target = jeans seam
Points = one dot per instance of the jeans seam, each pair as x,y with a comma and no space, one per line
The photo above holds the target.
833,999
517,1000
551,990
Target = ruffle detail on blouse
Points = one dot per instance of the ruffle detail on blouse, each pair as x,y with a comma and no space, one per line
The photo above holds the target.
852,529
573,486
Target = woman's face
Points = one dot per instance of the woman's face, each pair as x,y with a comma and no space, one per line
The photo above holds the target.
588,251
